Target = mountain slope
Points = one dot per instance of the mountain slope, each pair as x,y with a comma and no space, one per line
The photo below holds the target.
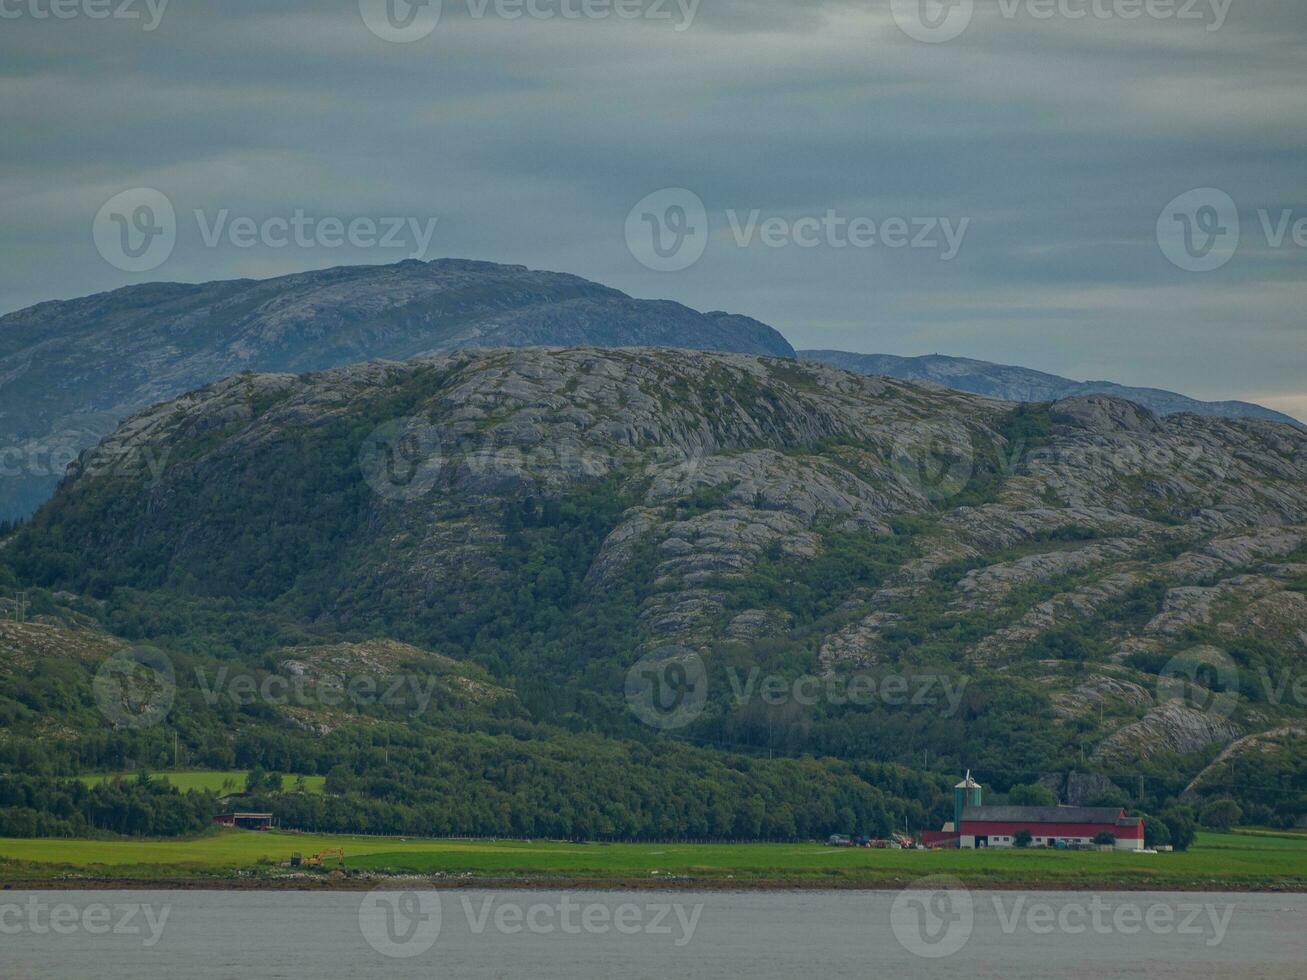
559,517
69,371
1027,385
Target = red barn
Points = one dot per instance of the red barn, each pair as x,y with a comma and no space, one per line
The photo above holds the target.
247,821
997,826
977,825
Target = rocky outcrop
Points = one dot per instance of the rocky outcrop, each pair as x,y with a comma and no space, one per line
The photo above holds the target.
1172,727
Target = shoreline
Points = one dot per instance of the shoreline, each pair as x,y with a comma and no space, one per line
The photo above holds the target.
356,883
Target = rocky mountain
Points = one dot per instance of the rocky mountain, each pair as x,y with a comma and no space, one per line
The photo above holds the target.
69,371
1026,588
1026,385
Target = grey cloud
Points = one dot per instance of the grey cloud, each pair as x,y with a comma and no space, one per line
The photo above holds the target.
1060,142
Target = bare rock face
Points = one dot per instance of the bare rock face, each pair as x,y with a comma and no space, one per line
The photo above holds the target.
1079,788
1247,748
1189,606
1091,696
1173,727
1079,605
996,580
1280,617
1100,414
755,624
855,644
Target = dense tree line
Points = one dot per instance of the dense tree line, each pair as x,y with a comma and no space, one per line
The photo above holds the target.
474,785
41,806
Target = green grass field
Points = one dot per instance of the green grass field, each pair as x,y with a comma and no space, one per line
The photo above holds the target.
1235,861
222,783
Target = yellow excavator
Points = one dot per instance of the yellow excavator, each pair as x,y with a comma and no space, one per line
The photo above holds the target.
316,860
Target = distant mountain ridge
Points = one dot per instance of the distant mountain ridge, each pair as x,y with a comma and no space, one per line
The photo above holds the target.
71,370
1021,384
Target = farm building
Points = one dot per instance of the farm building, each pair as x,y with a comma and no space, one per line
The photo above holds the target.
977,825
246,821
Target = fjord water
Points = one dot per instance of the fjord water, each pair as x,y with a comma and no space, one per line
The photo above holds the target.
696,935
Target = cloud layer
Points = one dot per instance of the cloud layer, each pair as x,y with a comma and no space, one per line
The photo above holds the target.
530,130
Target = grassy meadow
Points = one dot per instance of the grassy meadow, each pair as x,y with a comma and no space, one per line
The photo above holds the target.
1217,861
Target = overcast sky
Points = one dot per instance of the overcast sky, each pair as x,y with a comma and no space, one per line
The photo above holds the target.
1049,145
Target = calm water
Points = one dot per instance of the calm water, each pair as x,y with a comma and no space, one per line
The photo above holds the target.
604,935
